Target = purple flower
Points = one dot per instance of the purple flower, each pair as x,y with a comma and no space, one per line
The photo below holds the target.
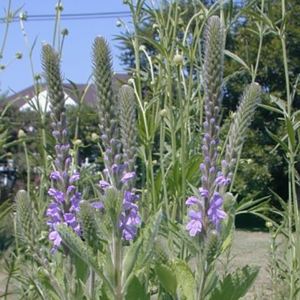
195,224
104,184
74,177
214,212
192,201
57,195
221,180
127,201
70,189
203,192
128,176
75,199
53,211
55,175
128,224
56,239
70,220
98,205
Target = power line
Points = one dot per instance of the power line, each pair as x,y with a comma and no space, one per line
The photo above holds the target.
80,16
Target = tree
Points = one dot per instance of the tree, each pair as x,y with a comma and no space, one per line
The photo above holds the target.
265,171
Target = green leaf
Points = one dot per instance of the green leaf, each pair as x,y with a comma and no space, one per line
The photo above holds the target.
54,291
193,166
82,269
280,103
189,242
236,58
185,279
271,108
279,141
136,291
148,236
235,285
167,278
130,259
76,245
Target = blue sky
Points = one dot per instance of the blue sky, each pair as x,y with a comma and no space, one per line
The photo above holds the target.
76,60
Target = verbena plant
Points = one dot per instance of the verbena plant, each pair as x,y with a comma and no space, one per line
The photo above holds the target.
150,227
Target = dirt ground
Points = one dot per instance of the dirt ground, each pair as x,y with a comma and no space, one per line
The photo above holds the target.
249,248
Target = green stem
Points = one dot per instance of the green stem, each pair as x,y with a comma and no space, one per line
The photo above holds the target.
261,36
183,144
27,166
117,260
7,24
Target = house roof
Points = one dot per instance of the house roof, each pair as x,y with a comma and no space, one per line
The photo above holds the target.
21,98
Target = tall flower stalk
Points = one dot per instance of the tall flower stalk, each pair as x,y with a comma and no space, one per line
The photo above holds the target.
207,210
65,200
119,157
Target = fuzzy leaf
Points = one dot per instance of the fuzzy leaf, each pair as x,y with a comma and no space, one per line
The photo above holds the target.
53,292
82,269
167,278
235,285
136,291
130,259
148,236
76,245
185,279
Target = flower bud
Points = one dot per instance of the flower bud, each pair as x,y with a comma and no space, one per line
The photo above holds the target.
21,134
37,76
19,55
65,31
59,7
78,142
142,48
95,137
269,224
155,27
23,16
163,113
178,59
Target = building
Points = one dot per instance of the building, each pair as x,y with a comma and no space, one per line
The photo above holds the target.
28,98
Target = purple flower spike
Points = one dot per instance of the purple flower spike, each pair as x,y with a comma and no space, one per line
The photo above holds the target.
128,176
195,225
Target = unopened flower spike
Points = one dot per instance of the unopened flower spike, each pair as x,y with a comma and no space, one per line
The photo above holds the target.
64,206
